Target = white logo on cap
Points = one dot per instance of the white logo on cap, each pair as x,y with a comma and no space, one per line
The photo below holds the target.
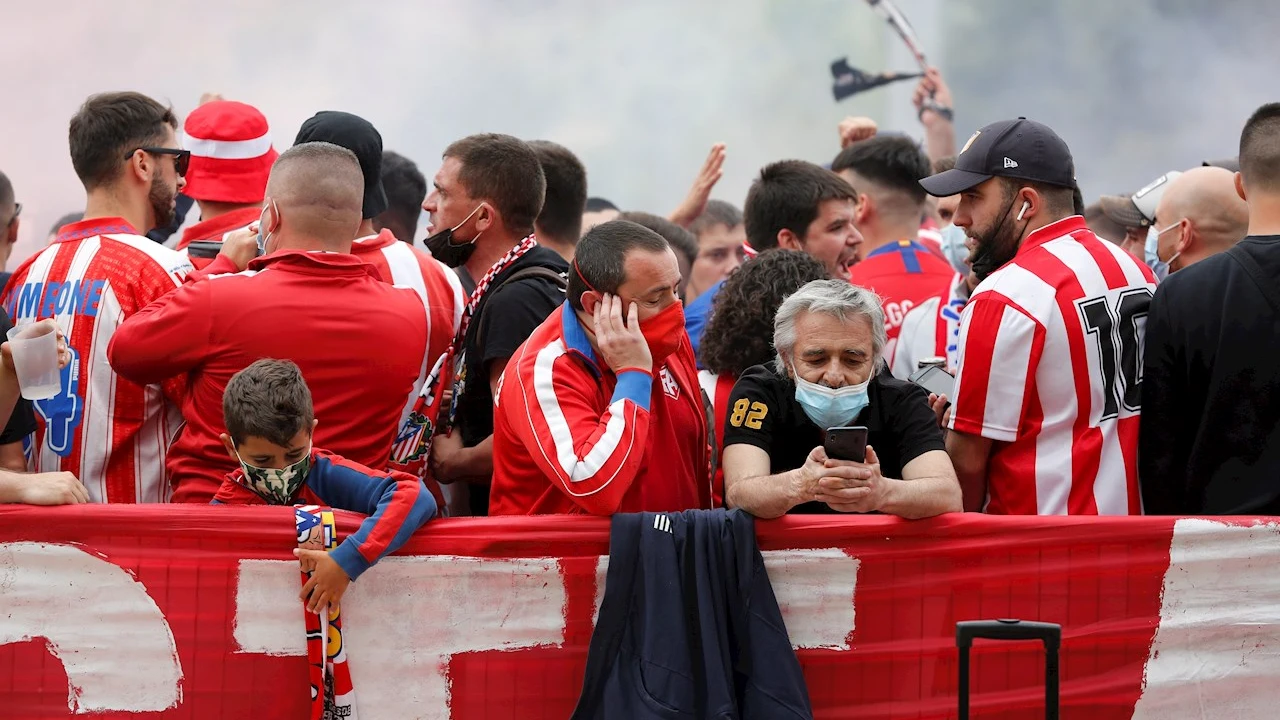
1010,163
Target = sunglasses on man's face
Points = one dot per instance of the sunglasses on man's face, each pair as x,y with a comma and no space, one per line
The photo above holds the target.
17,210
181,158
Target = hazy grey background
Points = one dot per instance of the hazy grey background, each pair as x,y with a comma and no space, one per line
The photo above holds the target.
641,90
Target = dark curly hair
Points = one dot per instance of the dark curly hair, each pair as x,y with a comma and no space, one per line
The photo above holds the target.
740,332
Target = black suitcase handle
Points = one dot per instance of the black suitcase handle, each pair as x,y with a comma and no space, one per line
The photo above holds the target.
1048,633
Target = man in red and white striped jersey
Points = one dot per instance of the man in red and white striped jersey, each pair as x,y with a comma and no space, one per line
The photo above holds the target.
1045,418
111,433
398,263
598,412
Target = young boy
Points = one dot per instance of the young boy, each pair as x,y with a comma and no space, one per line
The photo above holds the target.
269,418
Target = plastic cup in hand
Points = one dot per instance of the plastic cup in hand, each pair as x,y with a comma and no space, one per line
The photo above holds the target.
35,356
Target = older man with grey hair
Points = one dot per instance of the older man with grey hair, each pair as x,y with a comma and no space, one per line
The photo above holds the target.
829,337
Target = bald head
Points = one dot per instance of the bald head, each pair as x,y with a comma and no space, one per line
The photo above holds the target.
1207,197
318,189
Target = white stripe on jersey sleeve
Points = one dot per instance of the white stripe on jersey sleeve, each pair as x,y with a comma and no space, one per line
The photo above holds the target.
1007,384
407,273
544,389
99,393
405,270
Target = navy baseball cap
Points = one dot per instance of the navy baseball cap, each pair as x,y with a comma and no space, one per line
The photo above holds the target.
1022,149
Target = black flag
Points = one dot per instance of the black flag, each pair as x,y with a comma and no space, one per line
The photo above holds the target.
851,81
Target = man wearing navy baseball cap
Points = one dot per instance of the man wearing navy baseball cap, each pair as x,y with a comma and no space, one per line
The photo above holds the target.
1048,391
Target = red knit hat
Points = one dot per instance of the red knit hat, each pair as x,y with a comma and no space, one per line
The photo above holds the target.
231,152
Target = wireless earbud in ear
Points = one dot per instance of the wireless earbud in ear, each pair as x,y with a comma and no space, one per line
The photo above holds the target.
1025,206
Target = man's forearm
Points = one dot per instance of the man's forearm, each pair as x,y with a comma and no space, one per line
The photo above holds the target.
922,497
765,496
11,487
476,463
939,138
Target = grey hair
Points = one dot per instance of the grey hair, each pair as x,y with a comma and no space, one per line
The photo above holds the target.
837,298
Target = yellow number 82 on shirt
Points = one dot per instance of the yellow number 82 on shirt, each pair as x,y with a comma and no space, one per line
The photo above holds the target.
748,413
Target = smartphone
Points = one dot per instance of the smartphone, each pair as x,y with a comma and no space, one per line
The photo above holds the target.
204,248
935,380
846,443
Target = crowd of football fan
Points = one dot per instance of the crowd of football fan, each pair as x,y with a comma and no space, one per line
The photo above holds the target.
544,352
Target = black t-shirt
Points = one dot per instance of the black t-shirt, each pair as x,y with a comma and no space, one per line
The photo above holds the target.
900,424
22,422
506,316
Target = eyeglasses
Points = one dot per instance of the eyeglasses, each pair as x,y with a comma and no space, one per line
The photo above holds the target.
181,158
17,210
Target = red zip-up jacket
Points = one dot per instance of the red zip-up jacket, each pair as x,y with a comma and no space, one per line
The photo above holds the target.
570,436
359,342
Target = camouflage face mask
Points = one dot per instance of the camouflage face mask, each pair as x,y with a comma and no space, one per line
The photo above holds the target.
276,486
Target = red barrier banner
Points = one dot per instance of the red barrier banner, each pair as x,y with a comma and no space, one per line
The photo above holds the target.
192,612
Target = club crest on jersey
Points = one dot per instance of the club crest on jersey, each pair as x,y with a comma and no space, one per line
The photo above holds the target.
669,385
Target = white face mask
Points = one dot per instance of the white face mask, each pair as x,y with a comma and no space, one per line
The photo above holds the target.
1159,267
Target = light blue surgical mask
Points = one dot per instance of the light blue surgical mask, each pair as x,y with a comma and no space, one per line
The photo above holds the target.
953,247
1160,268
831,407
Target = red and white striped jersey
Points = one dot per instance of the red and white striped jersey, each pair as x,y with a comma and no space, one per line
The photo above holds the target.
1051,369
403,265
931,329
111,433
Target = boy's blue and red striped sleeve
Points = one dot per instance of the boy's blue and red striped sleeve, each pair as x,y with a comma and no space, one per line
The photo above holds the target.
397,505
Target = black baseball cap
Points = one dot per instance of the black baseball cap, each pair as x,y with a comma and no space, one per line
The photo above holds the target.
1022,149
360,137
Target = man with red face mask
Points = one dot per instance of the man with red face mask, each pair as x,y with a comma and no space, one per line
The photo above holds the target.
599,411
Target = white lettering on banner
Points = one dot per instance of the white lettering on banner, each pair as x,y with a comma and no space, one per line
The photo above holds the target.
406,617
88,610
266,623
815,591
1216,652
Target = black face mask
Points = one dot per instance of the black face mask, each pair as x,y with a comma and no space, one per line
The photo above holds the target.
996,248
443,249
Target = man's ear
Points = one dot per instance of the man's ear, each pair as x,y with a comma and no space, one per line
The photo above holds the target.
314,423
1240,187
788,240
230,446
12,237
486,217
1189,236
590,299
863,209
270,217
140,165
